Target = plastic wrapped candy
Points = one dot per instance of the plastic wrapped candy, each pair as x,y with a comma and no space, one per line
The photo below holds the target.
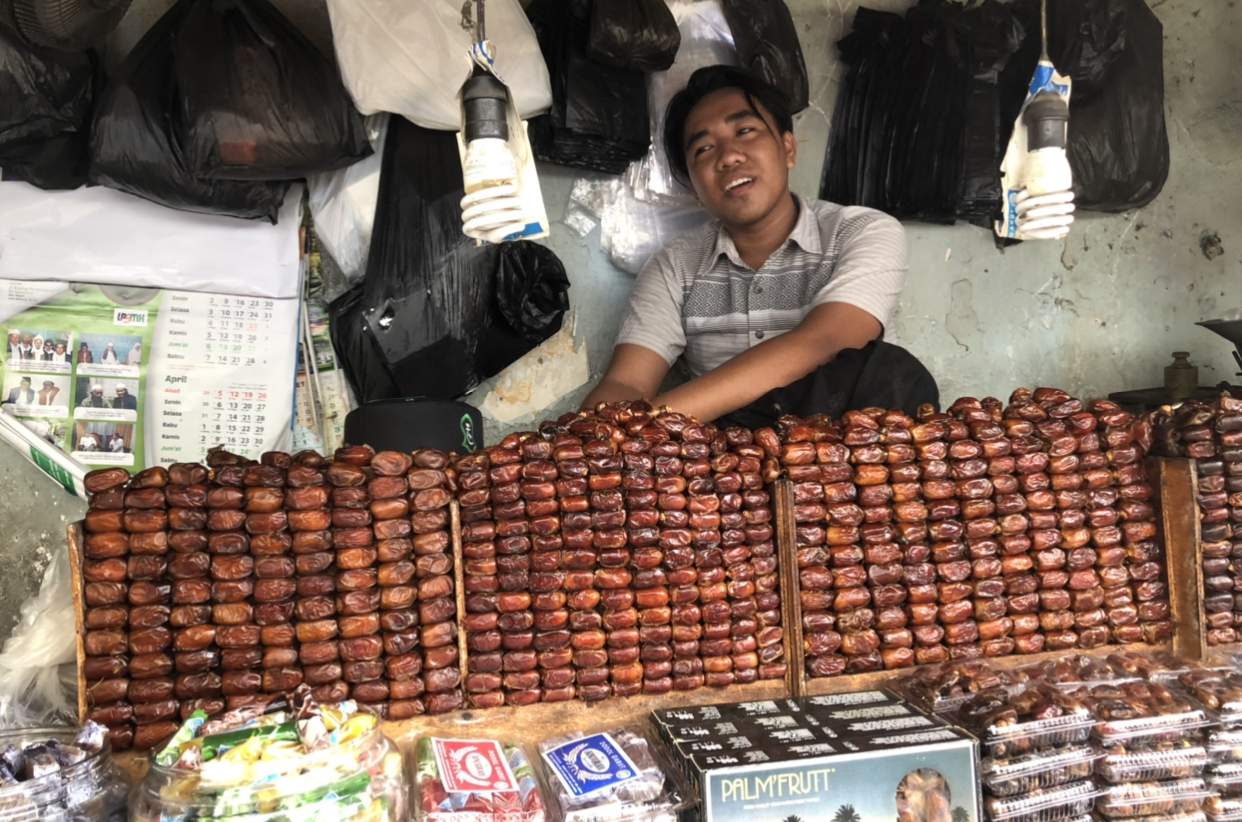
483,779
57,773
611,777
291,760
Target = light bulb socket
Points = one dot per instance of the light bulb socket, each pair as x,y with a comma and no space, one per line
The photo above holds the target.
1046,118
486,102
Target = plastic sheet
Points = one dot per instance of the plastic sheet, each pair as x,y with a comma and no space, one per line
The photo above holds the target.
435,315
635,35
706,40
412,59
598,118
342,203
630,230
133,148
767,44
257,99
31,690
45,109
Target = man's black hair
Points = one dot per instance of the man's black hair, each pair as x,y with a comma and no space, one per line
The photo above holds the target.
702,83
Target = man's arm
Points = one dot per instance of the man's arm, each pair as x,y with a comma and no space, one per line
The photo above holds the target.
822,334
634,373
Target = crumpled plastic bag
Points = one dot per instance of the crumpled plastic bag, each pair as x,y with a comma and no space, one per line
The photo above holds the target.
40,657
767,44
413,58
133,148
257,99
45,111
635,35
1118,142
435,314
342,203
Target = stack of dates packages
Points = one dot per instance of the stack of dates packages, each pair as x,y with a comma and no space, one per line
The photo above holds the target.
867,588
1211,435
1130,557
1150,734
422,663
213,587
602,559
126,533
1037,757
1219,691
1037,760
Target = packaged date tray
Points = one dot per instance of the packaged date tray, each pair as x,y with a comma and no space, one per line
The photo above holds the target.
1186,816
1219,809
1150,798
1042,769
1225,780
1219,692
1224,747
615,776
1138,714
1044,805
1143,766
1038,718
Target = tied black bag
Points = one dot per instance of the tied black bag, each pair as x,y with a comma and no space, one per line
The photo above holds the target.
46,97
435,314
133,149
258,100
634,35
767,44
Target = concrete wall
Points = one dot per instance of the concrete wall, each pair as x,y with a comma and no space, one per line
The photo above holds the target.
1096,314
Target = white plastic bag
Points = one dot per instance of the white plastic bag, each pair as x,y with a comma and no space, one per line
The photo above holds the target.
412,58
706,40
631,230
342,204
32,692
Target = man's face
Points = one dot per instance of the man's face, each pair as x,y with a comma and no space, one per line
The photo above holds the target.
60,348
121,392
48,385
739,164
25,383
97,392
13,339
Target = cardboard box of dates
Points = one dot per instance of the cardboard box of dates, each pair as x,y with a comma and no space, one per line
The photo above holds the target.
865,755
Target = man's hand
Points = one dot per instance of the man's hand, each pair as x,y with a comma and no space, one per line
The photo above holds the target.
827,330
634,373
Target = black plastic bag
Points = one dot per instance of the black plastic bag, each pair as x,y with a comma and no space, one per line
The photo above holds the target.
435,315
635,35
599,118
45,111
767,44
1118,144
133,149
258,100
917,129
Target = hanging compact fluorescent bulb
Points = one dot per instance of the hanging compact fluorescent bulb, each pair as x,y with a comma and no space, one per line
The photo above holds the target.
1038,184
491,209
503,200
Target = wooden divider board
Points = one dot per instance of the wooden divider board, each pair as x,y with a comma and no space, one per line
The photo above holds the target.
1175,482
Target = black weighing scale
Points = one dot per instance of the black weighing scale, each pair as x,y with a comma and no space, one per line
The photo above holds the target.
1145,399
